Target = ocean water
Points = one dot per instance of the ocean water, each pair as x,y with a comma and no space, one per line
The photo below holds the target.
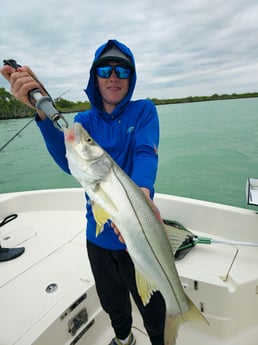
207,151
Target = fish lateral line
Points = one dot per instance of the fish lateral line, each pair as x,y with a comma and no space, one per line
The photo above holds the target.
145,234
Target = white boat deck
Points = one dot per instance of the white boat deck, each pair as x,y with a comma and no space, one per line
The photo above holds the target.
45,288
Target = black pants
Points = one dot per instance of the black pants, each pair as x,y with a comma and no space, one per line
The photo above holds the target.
114,276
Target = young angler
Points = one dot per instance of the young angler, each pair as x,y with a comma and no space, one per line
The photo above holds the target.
129,132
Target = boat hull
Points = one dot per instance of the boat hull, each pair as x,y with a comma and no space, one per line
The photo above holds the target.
48,293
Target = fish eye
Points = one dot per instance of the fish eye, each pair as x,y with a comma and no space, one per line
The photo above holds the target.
89,140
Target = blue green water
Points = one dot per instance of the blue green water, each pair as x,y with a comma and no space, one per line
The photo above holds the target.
207,151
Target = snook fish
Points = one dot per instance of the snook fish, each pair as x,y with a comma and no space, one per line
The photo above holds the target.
116,197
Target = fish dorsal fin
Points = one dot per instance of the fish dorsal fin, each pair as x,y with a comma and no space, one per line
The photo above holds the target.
145,287
177,234
100,216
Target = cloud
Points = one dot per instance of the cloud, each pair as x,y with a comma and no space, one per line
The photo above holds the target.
182,48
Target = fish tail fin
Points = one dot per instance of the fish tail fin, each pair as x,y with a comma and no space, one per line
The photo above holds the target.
193,313
173,322
171,329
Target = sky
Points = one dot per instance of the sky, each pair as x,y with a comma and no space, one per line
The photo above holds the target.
182,47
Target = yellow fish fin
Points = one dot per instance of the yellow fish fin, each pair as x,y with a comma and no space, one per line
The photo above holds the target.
173,322
145,287
176,235
100,216
193,313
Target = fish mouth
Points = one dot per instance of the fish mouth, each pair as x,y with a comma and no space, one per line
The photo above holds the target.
69,134
74,133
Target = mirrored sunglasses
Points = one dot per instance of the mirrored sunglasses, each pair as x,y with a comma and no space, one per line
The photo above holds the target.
106,71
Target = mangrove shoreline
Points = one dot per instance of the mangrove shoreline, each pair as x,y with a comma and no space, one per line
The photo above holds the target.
10,108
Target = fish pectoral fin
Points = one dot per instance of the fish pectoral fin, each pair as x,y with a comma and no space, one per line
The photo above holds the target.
145,287
100,216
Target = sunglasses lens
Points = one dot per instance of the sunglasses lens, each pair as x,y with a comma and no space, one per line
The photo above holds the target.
106,71
122,72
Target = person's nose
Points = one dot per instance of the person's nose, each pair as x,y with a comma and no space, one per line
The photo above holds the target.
113,75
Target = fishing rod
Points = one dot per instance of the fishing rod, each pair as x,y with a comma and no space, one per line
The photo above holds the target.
44,103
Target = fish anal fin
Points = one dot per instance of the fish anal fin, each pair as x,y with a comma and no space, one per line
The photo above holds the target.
145,287
100,216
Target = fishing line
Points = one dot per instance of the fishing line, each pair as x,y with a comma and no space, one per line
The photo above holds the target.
12,138
15,135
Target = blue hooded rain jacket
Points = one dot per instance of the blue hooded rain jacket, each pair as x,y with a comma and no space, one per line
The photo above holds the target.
130,134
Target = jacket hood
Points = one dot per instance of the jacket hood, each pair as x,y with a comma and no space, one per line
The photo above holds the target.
92,90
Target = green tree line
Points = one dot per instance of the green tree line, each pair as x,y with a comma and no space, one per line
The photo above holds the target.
10,108
214,97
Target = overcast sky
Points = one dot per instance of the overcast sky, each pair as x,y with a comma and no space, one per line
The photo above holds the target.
182,47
